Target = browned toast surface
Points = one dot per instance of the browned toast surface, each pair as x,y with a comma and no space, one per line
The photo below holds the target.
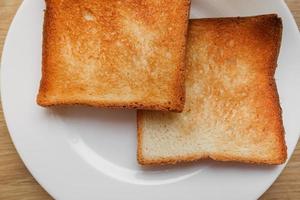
232,110
113,53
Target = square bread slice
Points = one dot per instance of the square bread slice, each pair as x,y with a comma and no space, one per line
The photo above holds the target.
232,110
113,53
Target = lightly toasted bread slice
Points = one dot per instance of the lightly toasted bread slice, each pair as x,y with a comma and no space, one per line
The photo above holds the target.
112,53
232,110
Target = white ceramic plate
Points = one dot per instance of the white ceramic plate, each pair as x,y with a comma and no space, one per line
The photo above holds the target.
86,153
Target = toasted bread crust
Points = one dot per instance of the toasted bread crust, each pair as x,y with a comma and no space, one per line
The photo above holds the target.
139,122
265,26
139,64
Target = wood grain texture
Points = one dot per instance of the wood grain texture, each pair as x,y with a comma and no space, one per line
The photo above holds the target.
16,183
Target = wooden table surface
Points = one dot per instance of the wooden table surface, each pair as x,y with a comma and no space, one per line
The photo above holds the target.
16,183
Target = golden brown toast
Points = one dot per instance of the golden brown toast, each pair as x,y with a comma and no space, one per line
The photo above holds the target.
114,53
232,110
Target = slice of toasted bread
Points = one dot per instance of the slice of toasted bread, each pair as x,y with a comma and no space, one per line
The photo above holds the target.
110,53
232,111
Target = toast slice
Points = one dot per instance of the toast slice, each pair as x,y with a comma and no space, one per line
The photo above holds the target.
232,110
110,53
